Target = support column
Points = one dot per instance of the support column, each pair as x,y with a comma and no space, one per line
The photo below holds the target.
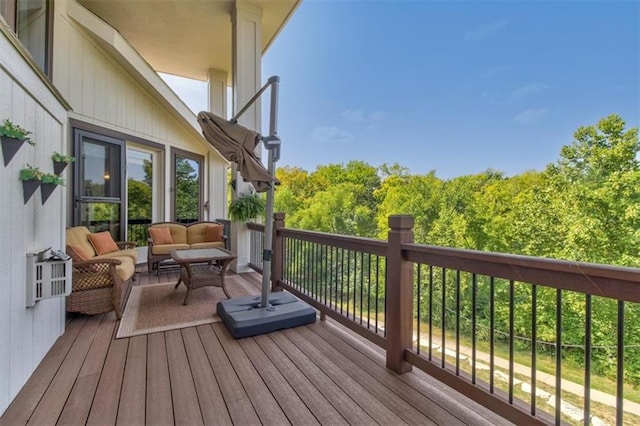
218,176
247,69
399,315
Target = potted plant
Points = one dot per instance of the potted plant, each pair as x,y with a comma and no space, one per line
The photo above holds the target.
13,136
61,161
49,183
248,205
31,178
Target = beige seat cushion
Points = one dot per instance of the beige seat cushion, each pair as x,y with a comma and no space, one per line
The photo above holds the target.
126,268
207,245
131,253
77,236
197,233
166,248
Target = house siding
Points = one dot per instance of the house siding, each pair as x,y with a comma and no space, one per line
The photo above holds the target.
104,93
26,334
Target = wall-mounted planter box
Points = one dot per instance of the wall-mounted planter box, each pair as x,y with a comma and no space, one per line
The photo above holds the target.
46,189
29,187
59,166
10,146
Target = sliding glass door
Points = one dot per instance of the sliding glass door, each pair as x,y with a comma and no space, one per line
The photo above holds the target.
187,186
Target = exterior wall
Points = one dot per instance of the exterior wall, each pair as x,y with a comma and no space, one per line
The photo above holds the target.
26,334
105,93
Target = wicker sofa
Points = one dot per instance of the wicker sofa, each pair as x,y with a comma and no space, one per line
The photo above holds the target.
101,283
183,236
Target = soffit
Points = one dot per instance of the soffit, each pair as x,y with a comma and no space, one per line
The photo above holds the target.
186,37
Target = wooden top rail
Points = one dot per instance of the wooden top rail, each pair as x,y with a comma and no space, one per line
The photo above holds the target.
365,245
616,282
255,226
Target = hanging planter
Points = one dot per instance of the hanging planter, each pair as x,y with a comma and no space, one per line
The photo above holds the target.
12,137
60,162
49,182
248,205
31,180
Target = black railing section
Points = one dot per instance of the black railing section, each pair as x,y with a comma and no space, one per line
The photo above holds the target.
256,232
473,325
137,231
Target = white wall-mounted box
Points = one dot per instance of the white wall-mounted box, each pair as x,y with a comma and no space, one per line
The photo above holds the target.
47,279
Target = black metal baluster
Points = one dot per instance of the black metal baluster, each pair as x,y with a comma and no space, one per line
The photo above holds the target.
620,378
444,313
361,284
511,335
377,288
492,286
348,280
430,312
587,361
368,290
558,356
474,301
419,302
341,279
457,323
534,346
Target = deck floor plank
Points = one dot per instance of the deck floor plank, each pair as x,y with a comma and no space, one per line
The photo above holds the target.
104,409
347,407
267,408
186,409
381,413
52,403
131,410
76,409
293,407
317,403
29,397
159,405
356,363
238,403
212,406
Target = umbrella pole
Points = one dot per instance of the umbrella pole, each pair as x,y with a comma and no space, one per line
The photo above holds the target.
272,144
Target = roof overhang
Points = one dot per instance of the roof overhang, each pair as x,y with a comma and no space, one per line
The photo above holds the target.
186,37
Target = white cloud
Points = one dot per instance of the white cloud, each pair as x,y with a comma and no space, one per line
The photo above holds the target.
527,89
485,30
353,115
330,134
530,115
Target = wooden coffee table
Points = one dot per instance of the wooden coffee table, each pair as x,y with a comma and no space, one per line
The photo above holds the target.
202,268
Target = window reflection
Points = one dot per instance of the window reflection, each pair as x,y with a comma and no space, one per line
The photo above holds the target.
187,186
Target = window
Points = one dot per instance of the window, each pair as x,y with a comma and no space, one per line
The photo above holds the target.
140,194
32,22
187,186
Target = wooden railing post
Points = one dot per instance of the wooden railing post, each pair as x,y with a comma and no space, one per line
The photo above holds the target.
277,264
399,282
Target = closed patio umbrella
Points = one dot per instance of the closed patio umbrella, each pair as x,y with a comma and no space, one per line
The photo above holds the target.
237,143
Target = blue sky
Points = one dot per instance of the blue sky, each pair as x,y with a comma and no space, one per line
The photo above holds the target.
456,87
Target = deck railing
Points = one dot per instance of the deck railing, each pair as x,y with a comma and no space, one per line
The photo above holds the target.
466,317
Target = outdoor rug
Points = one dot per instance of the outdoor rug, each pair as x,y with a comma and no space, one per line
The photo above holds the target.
158,307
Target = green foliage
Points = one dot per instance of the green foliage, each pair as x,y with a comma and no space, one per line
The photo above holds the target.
11,130
187,190
246,207
61,158
30,173
52,178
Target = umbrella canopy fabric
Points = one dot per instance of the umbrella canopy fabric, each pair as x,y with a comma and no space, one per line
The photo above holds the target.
237,143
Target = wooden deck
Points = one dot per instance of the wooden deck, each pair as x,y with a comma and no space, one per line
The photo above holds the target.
316,374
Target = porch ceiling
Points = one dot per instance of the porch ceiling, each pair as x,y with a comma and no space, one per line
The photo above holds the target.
186,37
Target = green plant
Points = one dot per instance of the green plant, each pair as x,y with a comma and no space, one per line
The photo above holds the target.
52,178
10,130
61,158
247,206
31,173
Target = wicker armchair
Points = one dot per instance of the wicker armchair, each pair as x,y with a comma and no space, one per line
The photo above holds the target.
98,287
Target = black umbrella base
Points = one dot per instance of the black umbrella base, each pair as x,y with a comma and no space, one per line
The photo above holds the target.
244,317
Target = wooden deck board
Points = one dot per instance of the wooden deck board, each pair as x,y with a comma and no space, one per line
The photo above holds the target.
131,410
159,405
316,374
